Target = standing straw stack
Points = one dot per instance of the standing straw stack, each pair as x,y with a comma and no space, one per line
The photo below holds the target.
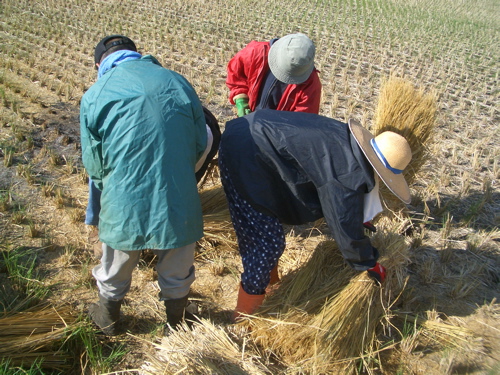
213,200
411,112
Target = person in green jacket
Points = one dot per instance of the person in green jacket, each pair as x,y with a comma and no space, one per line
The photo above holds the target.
142,132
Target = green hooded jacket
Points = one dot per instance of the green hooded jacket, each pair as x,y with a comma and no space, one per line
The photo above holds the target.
142,132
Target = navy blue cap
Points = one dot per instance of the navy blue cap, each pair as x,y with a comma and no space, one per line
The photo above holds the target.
115,42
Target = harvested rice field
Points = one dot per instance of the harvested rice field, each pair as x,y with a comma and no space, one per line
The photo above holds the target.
429,68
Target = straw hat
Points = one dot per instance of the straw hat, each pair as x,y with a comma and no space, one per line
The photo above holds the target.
389,153
291,58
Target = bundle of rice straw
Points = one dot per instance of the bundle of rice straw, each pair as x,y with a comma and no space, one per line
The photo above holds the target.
205,349
325,316
411,112
35,335
216,219
435,330
213,200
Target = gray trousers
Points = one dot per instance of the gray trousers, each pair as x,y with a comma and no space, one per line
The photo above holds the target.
174,267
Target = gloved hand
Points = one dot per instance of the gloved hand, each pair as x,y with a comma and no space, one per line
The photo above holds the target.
368,225
377,272
242,106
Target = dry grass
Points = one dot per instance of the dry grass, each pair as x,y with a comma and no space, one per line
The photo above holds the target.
206,349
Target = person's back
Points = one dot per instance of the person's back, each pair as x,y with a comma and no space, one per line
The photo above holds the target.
148,153
283,163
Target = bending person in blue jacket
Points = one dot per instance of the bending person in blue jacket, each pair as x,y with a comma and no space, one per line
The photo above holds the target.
142,132
293,168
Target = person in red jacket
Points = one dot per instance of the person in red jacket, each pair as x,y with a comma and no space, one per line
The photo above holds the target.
279,74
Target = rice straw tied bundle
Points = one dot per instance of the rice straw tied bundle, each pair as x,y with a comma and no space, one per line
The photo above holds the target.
410,112
433,328
204,349
213,200
335,325
216,218
305,288
31,335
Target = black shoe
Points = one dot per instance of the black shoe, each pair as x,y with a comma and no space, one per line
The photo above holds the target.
105,314
179,310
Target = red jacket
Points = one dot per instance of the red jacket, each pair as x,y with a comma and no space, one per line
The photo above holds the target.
246,72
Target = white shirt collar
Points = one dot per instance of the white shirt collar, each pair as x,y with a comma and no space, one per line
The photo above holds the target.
373,205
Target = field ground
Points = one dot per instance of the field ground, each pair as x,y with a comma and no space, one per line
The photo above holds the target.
450,47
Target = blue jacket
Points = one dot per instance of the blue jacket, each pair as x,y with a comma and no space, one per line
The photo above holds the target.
142,132
300,167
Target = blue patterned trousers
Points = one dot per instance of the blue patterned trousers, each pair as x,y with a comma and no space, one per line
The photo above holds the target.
261,239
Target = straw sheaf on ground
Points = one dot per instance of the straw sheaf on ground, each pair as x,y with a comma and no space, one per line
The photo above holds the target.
37,333
439,311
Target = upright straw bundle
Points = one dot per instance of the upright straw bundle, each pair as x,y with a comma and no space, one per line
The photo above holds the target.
411,112
213,200
217,222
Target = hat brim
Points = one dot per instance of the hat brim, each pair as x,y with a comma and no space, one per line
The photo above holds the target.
395,182
279,73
